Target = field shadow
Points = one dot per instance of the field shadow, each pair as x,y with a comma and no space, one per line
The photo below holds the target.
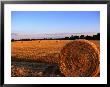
34,69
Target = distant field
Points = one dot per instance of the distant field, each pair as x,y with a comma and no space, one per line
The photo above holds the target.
39,50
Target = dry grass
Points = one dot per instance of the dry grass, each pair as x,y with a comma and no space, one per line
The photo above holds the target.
43,51
18,71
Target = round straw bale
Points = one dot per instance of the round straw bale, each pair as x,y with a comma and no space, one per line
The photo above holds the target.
80,58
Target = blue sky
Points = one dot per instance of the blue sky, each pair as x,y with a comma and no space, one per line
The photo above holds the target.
37,22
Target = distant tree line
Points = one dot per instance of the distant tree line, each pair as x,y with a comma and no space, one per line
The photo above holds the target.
87,37
94,37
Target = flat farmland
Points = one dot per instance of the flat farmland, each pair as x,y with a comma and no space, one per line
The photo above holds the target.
39,50
38,55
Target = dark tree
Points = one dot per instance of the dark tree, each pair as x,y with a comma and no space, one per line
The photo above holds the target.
76,37
82,37
66,38
89,37
72,37
98,36
12,40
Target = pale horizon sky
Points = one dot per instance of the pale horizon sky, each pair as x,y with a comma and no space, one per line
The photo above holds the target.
35,22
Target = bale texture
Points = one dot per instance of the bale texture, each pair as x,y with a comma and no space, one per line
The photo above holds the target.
80,58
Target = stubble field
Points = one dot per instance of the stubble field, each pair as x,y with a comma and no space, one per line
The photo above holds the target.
38,58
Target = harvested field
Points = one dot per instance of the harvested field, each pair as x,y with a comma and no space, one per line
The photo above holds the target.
44,51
